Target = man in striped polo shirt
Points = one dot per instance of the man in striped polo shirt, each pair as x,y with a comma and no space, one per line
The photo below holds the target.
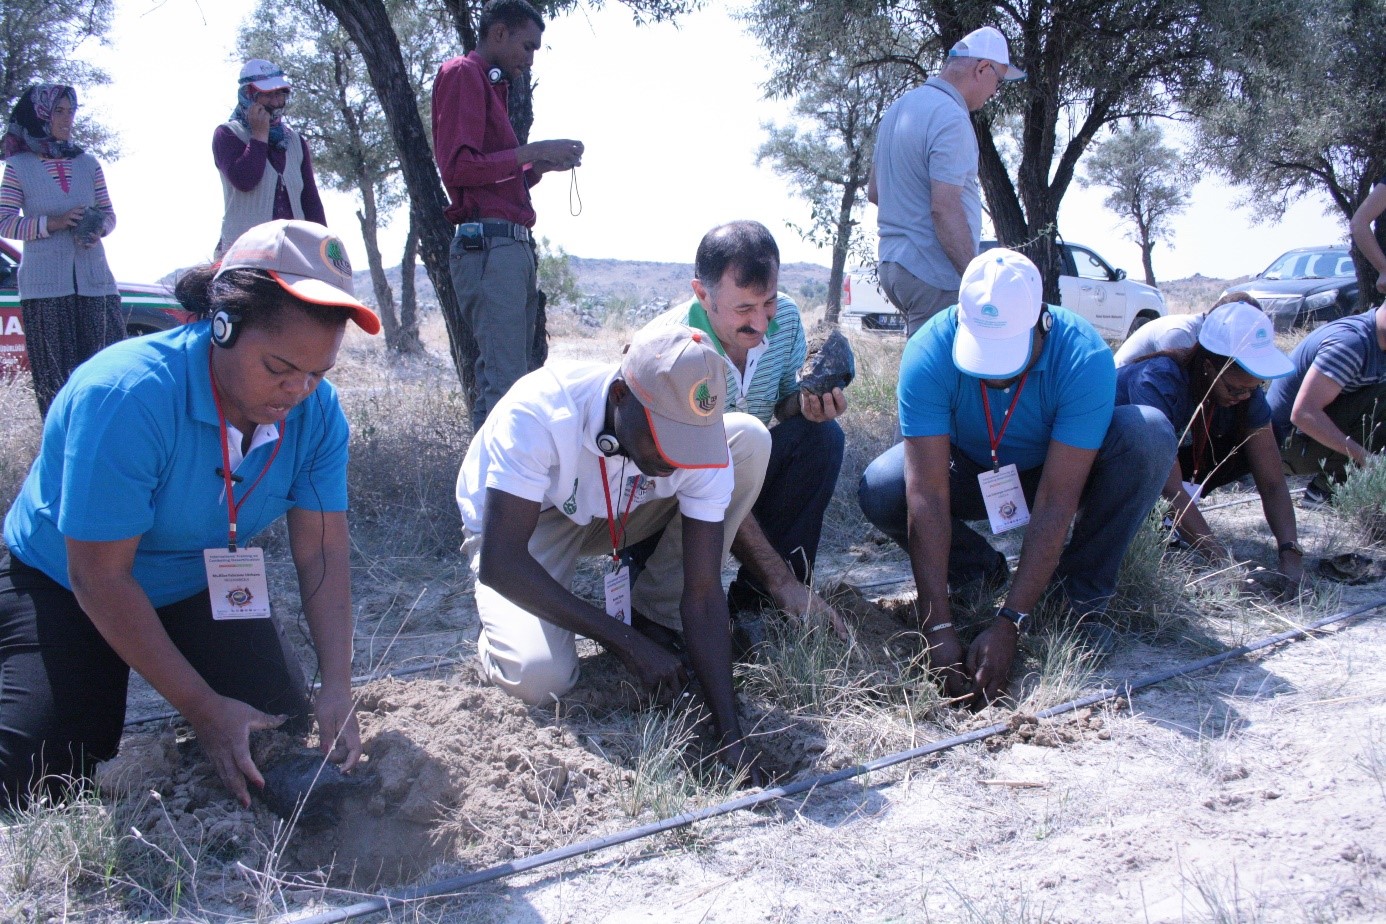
1330,412
758,332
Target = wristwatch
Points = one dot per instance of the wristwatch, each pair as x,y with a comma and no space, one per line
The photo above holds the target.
1016,618
1292,546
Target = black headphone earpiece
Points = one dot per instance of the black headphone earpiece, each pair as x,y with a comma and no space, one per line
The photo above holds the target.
495,74
226,327
608,444
1046,320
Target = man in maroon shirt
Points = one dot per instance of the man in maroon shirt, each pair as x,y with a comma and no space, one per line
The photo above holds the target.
487,174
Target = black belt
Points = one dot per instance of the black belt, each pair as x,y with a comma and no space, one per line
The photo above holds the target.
497,229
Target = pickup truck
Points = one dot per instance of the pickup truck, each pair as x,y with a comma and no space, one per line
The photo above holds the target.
1088,286
148,308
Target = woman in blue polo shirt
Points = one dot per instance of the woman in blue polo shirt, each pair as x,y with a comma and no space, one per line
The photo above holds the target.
1211,393
125,552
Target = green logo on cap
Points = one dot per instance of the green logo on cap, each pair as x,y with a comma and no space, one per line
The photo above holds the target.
991,311
705,400
335,256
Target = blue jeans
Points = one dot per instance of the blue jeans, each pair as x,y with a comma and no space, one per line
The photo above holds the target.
805,458
1125,481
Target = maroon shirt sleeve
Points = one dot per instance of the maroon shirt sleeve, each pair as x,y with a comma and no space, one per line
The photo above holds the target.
243,164
459,129
311,202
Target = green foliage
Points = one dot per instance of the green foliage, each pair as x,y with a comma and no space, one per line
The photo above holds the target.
828,159
556,277
39,40
1150,183
1091,63
1299,101
333,104
1361,498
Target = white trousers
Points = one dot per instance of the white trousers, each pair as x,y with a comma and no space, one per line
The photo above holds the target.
537,661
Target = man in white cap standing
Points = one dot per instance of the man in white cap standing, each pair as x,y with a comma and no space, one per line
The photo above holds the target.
587,459
924,177
266,172
1006,406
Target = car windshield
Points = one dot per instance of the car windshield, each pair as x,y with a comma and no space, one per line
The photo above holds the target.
1313,264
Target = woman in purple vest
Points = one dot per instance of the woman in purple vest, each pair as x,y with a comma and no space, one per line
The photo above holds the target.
53,198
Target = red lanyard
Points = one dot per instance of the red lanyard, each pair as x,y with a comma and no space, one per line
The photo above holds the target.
611,514
994,437
233,507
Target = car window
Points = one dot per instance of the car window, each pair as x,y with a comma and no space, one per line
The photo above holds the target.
1089,265
1319,264
7,269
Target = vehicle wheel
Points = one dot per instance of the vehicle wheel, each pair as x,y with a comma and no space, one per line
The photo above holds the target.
1140,321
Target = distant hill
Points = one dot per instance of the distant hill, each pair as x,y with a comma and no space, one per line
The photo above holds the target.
637,281
645,286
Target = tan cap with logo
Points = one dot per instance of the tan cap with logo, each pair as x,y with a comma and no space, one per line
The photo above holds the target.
682,383
307,260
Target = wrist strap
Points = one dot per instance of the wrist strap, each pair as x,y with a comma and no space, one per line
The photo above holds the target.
938,628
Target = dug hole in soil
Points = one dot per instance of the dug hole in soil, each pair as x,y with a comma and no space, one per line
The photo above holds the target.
460,772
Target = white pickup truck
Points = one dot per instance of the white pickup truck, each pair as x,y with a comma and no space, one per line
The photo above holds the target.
1088,286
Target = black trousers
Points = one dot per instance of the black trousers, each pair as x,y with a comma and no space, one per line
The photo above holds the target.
62,688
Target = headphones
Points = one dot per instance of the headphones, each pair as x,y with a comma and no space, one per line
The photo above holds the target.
608,444
495,75
226,328
1046,320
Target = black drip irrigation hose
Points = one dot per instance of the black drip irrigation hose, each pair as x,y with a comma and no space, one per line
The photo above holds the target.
444,887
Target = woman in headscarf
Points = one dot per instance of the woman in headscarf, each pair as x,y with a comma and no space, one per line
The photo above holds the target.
53,198
266,171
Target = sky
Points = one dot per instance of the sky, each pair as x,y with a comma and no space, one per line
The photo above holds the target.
671,117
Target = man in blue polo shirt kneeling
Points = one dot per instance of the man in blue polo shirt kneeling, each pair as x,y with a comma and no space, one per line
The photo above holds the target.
1006,406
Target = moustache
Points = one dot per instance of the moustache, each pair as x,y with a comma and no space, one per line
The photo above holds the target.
748,330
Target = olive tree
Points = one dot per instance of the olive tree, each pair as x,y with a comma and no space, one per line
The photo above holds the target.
1150,183
1298,108
1091,64
38,39
827,157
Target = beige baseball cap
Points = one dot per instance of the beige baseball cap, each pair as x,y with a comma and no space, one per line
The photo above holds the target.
307,260
681,381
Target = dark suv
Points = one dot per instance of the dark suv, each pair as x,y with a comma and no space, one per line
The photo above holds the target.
148,308
1305,287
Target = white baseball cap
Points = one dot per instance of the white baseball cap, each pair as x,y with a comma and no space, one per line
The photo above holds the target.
987,42
1243,332
263,76
999,302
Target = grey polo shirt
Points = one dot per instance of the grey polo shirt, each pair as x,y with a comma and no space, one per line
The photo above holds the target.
926,136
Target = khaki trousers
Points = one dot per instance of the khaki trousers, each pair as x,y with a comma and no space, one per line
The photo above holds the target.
536,660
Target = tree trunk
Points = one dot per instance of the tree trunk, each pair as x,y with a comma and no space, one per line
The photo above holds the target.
842,243
1148,247
368,24
384,298
408,301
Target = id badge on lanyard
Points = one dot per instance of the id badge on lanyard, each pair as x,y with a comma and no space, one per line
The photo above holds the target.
1001,490
616,581
236,577
236,583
